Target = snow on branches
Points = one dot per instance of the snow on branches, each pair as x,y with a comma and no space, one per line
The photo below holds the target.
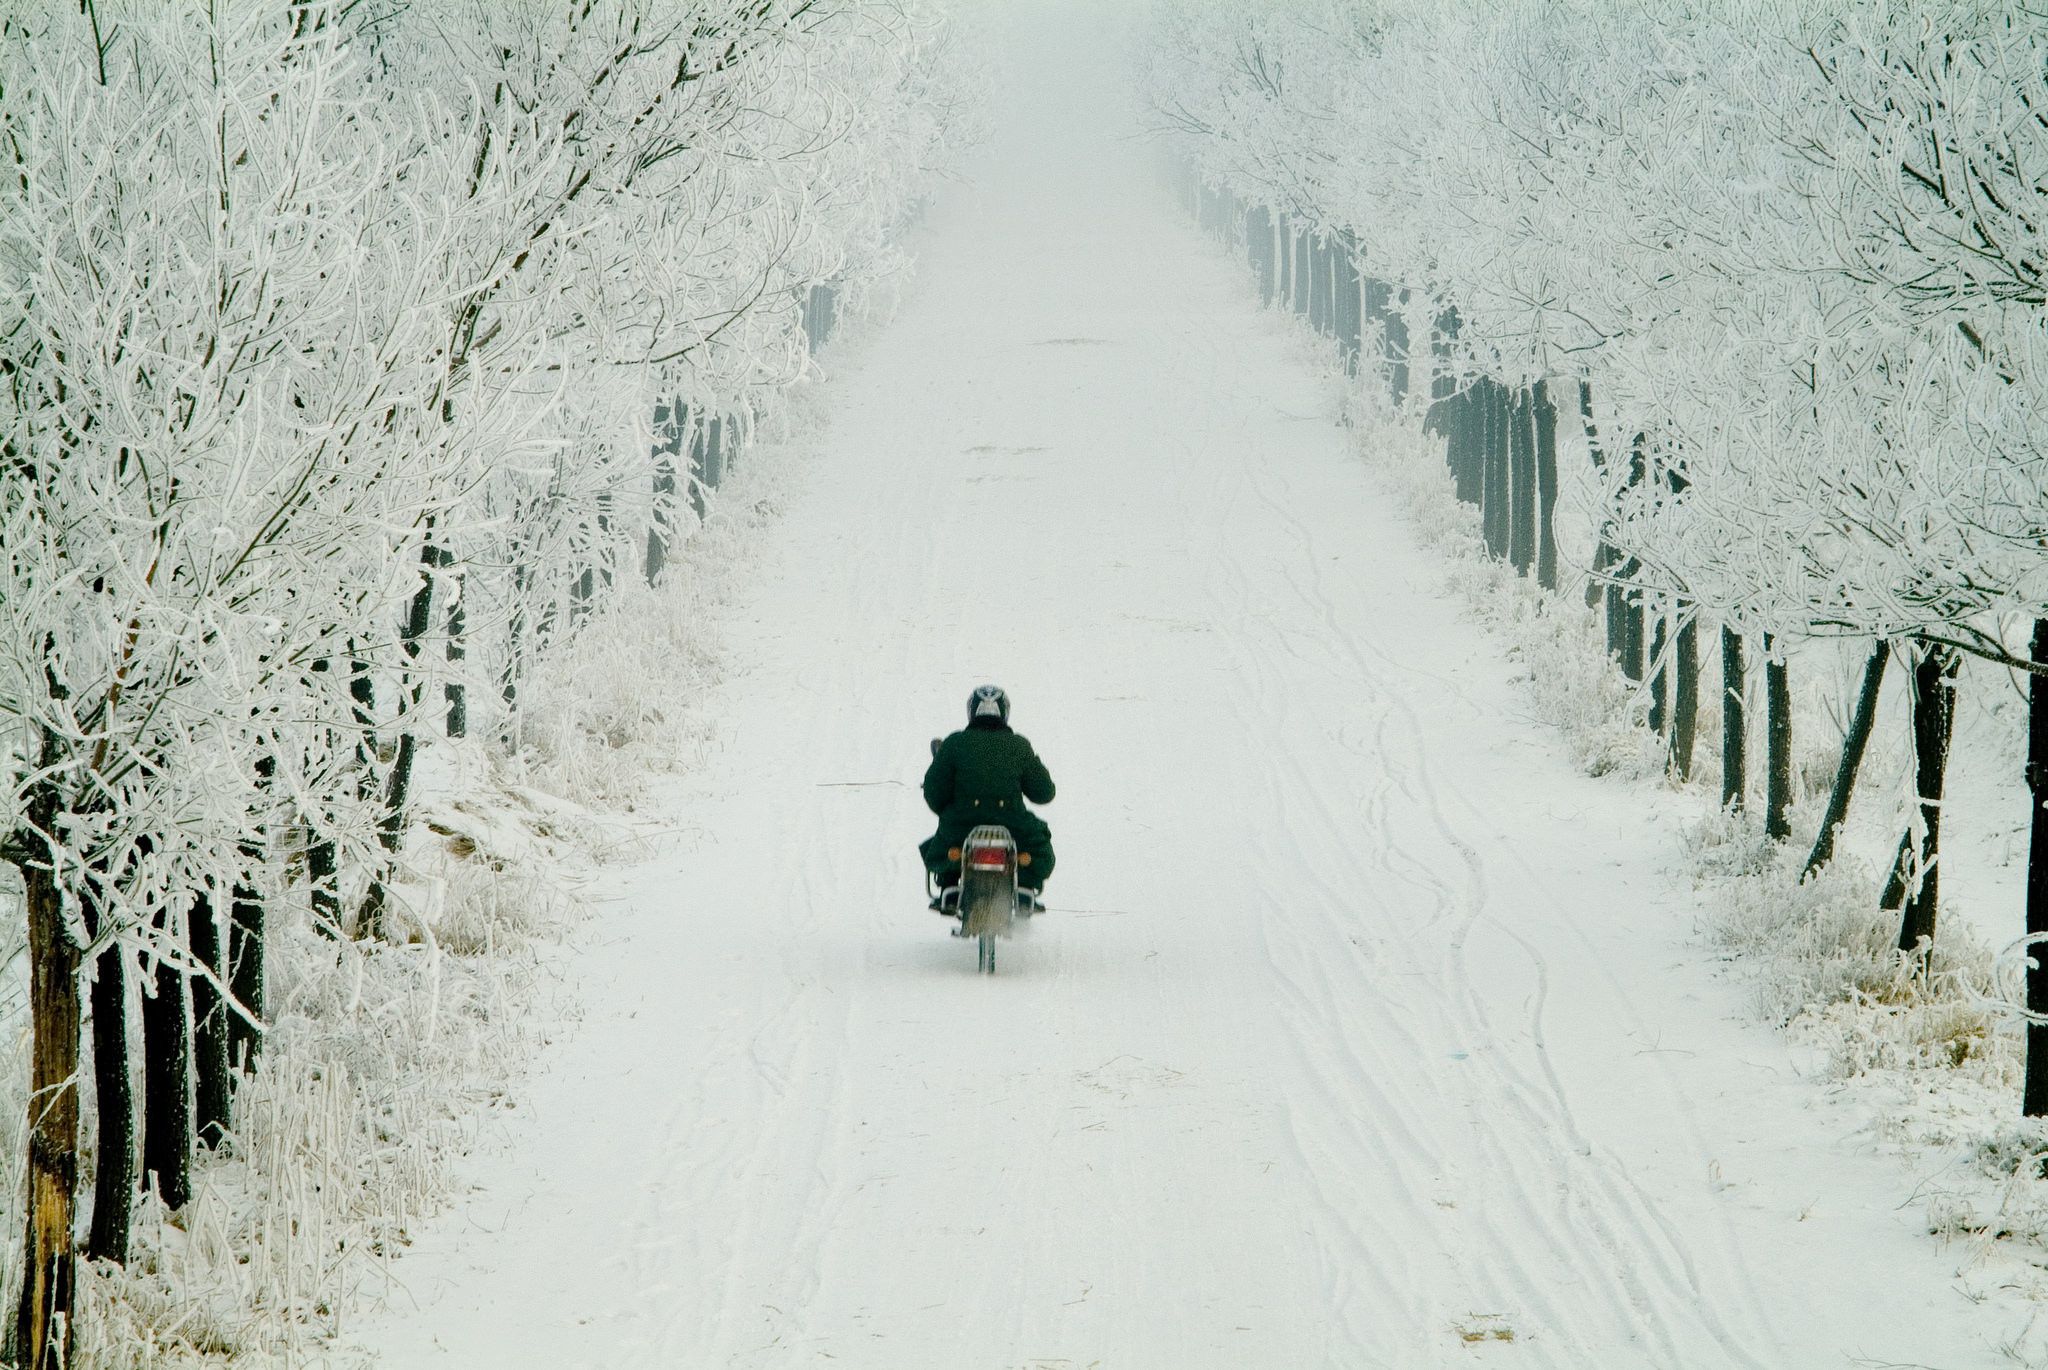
1790,244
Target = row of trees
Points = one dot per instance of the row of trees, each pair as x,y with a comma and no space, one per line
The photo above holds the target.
353,353
1781,266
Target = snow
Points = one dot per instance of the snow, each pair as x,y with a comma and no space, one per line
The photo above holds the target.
1365,1029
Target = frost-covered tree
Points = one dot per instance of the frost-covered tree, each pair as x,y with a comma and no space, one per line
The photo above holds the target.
1783,252
332,336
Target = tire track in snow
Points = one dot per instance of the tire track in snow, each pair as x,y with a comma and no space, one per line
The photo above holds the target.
1624,1221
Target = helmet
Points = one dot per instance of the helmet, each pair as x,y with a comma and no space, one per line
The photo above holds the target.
988,701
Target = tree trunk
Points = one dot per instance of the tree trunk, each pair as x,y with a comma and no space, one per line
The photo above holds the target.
210,1026
1777,745
1304,273
1496,509
1934,714
398,787
1685,692
1900,879
1544,412
1521,434
1348,302
454,693
1468,442
167,1082
1395,333
716,441
1258,249
323,893
322,864
1659,667
113,1195
515,642
1734,736
41,1336
1854,743
1280,247
669,421
246,943
1632,664
1319,293
2035,1102
699,440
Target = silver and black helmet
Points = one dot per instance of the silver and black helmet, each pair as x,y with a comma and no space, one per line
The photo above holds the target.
988,701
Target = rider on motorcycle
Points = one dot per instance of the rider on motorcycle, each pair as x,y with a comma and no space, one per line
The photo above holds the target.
983,774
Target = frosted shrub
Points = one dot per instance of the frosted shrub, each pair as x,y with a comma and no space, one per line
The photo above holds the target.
1822,957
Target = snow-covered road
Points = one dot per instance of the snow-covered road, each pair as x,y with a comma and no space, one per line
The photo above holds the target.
1365,1033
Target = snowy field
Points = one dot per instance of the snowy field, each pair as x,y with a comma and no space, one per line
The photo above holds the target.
1365,1031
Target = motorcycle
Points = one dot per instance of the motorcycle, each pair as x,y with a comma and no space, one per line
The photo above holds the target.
987,901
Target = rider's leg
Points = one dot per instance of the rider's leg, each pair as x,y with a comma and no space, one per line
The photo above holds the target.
1036,839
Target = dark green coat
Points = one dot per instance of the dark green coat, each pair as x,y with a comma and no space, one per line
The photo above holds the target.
984,775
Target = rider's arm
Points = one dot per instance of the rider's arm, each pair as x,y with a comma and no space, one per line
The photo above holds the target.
938,780
1037,780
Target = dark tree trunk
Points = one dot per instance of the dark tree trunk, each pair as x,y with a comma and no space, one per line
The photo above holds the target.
322,864
1617,611
40,1338
1685,692
455,693
1777,745
1499,492
1395,332
113,1194
669,422
1544,412
2035,1101
211,1093
1348,302
1304,273
1522,481
1605,555
699,470
167,1082
1631,597
1854,743
1734,737
1320,293
390,835
1900,879
1934,714
1659,667
1468,441
820,303
362,696
247,940
515,640
1632,663
1258,247
717,440
1281,248
323,891
398,785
